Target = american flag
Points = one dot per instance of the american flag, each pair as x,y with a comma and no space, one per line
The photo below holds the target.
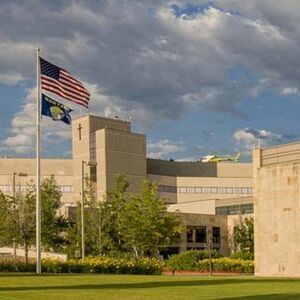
60,82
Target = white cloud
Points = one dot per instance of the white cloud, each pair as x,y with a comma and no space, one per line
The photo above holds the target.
11,78
247,138
290,91
21,139
164,148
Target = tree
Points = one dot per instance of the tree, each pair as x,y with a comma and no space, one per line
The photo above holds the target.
18,220
243,235
53,225
145,223
92,219
24,212
6,235
111,211
91,224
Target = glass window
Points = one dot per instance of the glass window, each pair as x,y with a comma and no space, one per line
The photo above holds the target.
200,234
216,235
198,190
189,235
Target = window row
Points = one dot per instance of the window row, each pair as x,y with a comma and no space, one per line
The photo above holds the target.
235,209
198,234
22,188
205,190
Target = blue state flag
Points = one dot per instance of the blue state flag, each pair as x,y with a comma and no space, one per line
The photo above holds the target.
55,110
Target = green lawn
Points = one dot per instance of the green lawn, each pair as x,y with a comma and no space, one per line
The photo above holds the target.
110,287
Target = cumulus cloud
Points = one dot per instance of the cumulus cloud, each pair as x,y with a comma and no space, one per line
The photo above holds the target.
146,55
290,91
164,148
21,139
151,60
248,138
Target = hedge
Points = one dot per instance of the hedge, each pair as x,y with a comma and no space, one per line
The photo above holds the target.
99,264
187,260
226,264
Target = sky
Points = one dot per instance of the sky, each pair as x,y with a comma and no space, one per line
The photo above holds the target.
195,77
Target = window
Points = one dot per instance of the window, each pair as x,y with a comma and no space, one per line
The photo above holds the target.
200,236
216,235
6,188
204,190
189,236
66,188
235,209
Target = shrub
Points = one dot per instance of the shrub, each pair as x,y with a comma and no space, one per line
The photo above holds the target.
187,260
9,264
100,264
226,264
243,255
103,264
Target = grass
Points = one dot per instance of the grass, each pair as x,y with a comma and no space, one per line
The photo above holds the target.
110,287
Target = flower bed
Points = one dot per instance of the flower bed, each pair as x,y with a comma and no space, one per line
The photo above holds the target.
226,264
99,264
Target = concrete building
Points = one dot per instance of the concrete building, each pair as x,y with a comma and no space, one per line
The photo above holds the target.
276,210
204,192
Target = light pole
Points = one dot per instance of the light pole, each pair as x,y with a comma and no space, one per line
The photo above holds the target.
91,164
14,174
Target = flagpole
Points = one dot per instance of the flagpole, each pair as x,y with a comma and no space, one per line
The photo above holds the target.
38,165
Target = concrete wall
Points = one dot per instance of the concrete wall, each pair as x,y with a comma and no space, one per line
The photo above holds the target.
121,152
209,221
186,177
277,210
62,169
194,207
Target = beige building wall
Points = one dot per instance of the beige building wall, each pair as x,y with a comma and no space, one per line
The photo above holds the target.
194,207
277,210
113,148
209,221
181,182
120,152
62,169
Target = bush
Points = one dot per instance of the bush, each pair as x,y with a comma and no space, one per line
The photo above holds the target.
103,264
187,260
226,264
243,255
99,264
9,264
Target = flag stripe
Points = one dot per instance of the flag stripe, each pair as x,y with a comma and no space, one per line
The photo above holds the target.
62,95
65,87
62,90
69,95
67,74
59,81
75,86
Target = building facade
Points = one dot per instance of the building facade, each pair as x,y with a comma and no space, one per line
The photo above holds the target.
103,147
276,210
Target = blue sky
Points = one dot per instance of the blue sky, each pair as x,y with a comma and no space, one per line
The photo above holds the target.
196,77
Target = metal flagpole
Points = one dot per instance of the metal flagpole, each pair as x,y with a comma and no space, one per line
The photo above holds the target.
38,165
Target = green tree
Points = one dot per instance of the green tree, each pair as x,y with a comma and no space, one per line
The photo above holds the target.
146,226
111,212
18,217
6,234
25,214
54,225
91,224
243,235
92,219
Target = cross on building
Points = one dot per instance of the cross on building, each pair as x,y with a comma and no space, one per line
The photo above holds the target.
79,131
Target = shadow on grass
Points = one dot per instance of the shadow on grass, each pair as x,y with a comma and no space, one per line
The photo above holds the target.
266,297
155,284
